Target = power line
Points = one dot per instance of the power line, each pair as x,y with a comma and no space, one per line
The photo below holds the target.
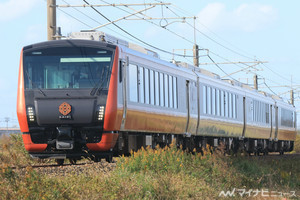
186,12
154,47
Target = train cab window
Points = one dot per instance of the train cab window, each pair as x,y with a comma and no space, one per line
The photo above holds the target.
133,83
209,100
152,96
147,87
156,88
204,97
171,91
213,102
162,87
166,90
59,68
218,101
175,91
141,85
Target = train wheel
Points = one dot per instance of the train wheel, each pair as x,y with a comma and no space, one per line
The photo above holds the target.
109,158
60,161
73,161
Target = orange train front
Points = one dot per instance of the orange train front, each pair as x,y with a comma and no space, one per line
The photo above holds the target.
65,88
94,95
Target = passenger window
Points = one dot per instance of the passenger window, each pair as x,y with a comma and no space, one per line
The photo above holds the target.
141,85
222,104
147,89
208,100
218,101
166,91
204,98
234,106
152,96
133,83
226,104
161,86
213,98
171,91
175,92
230,104
157,88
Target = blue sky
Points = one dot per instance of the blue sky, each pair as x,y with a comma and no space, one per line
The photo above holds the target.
233,30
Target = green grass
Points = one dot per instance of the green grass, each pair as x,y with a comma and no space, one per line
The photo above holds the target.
168,173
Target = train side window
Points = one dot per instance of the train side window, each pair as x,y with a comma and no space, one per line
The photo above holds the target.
171,91
218,102
204,97
162,87
208,100
222,103
234,106
175,91
230,105
152,96
166,91
141,85
226,103
147,87
267,113
213,102
156,82
133,83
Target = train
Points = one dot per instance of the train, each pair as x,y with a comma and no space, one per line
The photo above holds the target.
97,96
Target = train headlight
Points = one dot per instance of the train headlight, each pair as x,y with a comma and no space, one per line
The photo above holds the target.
100,113
30,112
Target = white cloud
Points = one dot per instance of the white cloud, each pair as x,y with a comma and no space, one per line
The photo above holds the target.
246,17
12,9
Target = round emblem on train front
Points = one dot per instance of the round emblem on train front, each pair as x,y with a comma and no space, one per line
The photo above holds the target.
65,108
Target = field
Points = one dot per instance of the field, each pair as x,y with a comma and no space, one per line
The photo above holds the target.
168,173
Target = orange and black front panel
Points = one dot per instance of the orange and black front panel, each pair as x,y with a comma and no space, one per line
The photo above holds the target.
66,85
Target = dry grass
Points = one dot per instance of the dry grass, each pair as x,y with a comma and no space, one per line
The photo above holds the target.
168,173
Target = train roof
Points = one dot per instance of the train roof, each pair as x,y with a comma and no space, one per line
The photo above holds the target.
108,39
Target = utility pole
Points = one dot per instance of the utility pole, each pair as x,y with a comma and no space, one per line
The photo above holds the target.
255,82
292,97
196,55
6,119
51,19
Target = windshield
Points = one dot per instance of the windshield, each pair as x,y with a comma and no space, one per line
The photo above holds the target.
67,67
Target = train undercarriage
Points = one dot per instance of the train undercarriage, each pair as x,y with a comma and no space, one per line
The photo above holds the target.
128,142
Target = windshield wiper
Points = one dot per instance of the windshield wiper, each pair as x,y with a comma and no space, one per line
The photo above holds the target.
99,85
34,85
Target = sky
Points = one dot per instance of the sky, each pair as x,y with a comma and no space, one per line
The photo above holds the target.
232,31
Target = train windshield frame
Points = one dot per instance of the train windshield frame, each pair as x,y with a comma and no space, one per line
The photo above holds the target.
68,68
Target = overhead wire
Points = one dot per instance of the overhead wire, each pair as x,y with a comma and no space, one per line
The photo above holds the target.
162,50
150,45
97,22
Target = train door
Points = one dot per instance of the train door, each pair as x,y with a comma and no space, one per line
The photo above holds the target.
123,79
276,123
198,105
272,122
187,104
244,116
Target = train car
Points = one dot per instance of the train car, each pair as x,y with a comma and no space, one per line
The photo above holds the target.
94,95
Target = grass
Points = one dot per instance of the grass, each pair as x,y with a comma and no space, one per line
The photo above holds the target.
167,173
